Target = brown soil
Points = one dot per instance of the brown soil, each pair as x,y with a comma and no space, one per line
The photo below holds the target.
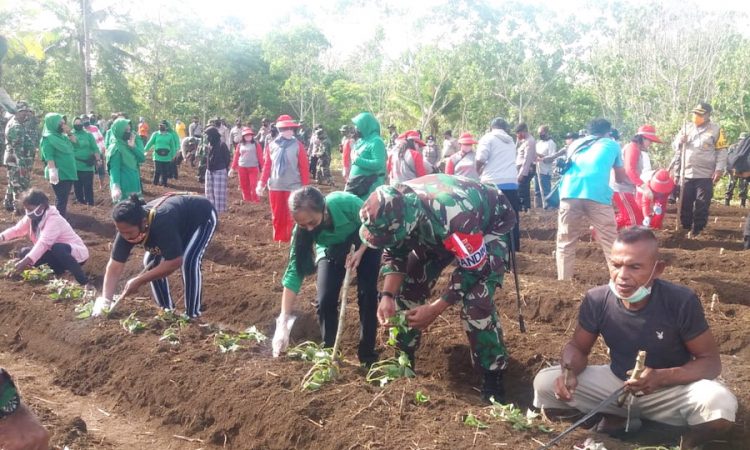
68,369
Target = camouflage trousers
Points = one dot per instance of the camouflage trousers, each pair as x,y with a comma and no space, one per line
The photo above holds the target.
19,181
478,312
323,170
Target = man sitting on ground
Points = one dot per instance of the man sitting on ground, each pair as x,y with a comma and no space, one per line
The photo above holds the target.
638,311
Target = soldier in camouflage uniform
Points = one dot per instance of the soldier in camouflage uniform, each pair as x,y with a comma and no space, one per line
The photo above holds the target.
19,155
3,124
425,225
321,149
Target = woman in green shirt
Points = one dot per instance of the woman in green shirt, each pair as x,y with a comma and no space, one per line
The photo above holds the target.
87,156
124,158
330,224
59,156
165,145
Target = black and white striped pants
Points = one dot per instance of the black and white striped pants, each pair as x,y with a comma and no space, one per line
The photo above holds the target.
192,277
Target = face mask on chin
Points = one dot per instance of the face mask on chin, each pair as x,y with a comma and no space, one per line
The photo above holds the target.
639,294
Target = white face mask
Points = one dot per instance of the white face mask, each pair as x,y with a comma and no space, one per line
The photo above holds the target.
35,213
639,294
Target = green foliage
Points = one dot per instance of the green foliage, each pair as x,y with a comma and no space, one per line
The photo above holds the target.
399,326
65,290
471,420
420,398
37,274
169,317
9,268
391,369
513,415
306,351
230,343
132,325
84,310
171,335
324,368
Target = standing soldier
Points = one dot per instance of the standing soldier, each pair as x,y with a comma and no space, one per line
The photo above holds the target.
3,124
425,225
19,155
322,151
736,177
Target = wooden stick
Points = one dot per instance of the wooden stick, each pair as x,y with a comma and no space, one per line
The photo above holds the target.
683,152
184,438
640,366
342,310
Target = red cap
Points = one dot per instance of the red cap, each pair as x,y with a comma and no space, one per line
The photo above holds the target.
661,182
285,121
649,132
247,130
467,139
413,135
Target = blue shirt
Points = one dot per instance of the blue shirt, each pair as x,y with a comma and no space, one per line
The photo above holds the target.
588,176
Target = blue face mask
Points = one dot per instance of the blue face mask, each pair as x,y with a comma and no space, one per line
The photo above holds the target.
639,294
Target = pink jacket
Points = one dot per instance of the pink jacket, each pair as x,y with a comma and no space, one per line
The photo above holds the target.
53,229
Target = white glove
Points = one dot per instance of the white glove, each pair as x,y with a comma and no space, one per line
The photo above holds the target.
647,222
231,173
54,176
281,336
116,193
101,306
260,190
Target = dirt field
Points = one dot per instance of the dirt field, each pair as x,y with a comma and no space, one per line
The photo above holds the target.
96,386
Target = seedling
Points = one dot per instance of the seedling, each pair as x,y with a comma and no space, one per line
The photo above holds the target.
9,268
170,335
37,274
513,415
168,316
305,351
229,342
65,290
399,326
473,421
391,369
420,398
323,371
84,310
132,325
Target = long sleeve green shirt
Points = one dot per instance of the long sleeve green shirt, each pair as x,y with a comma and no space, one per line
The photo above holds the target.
343,209
162,141
85,147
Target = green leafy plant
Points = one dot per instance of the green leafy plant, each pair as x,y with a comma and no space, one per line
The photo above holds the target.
65,290
9,268
305,351
37,274
323,371
168,316
171,335
84,310
132,325
513,415
252,333
227,342
387,370
420,398
473,421
399,326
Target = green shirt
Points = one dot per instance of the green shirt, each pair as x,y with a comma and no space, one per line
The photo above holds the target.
343,210
85,149
64,160
162,141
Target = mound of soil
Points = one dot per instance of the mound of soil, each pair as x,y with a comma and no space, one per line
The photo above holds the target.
193,396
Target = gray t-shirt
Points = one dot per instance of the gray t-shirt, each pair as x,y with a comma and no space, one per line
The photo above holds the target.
673,316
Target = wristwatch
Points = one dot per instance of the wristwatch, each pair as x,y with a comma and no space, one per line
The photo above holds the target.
386,294
9,398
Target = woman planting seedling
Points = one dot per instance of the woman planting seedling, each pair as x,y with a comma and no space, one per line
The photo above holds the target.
326,228
55,242
175,230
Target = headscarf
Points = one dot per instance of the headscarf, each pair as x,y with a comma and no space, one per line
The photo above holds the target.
54,137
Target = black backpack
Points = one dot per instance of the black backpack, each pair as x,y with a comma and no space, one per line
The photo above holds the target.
738,158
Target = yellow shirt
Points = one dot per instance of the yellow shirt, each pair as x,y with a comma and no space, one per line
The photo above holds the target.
181,130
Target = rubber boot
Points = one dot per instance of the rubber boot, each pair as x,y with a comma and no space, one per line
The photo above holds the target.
492,386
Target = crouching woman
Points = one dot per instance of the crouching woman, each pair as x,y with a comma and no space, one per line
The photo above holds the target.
326,228
55,243
174,230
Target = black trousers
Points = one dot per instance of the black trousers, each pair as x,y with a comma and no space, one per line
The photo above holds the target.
59,259
515,202
329,280
746,232
62,192
696,200
524,190
162,171
84,188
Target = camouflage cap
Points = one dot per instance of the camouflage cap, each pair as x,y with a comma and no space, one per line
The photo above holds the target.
383,217
22,106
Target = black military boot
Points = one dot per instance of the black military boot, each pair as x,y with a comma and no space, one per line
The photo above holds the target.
492,386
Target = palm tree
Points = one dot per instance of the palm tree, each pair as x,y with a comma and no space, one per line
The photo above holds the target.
80,38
